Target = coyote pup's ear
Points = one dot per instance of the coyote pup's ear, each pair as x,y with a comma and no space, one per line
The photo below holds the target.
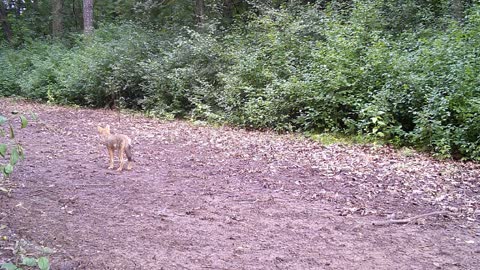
99,129
107,128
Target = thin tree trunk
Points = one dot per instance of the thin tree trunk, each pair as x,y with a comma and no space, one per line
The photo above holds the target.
88,16
199,12
228,10
57,14
458,8
76,17
7,30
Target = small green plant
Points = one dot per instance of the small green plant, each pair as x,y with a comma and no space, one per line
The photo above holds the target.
41,263
408,152
10,151
16,151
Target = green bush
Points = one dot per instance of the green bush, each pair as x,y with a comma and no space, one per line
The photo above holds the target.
31,70
354,70
181,79
104,69
428,93
264,85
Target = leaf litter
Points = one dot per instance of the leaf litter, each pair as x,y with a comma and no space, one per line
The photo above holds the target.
223,197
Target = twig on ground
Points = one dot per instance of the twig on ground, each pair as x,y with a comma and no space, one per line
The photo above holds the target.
91,185
407,220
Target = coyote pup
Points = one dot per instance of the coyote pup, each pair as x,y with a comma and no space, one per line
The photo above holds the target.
119,142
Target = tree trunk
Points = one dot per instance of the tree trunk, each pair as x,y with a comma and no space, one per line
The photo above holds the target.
3,21
88,16
57,15
458,8
77,16
228,10
199,12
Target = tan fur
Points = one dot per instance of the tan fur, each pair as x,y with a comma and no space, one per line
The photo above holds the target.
119,142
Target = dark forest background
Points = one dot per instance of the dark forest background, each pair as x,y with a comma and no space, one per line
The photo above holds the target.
404,72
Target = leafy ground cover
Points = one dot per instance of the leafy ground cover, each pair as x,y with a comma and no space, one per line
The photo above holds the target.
226,198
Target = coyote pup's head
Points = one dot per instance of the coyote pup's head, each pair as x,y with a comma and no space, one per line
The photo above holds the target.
104,131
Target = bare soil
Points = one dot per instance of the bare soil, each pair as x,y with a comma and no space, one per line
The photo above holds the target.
202,197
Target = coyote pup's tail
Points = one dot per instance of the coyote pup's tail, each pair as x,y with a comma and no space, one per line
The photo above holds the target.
128,151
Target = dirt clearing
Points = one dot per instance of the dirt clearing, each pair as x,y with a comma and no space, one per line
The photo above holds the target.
201,197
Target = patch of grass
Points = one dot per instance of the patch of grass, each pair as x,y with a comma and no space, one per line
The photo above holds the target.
336,138
408,152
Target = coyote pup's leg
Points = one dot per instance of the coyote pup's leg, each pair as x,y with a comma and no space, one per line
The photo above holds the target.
128,152
110,157
121,150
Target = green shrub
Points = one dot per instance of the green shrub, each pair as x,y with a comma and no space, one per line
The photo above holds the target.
104,69
181,79
351,70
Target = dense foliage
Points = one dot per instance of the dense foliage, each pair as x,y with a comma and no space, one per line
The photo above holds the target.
401,71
